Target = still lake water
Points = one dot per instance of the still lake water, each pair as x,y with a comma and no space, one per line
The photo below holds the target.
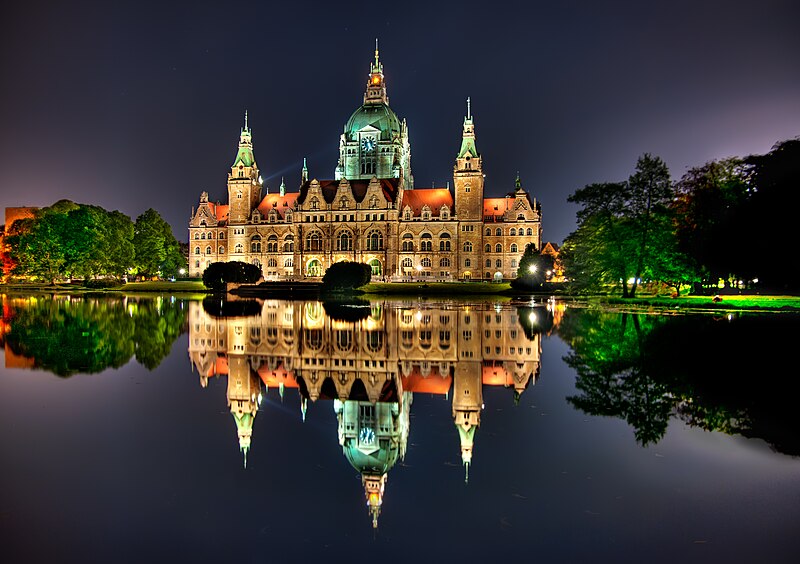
168,430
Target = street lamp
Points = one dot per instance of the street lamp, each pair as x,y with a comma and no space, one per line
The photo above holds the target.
532,268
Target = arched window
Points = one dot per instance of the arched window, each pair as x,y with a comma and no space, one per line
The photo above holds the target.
498,263
197,250
407,214
521,217
467,263
272,244
487,248
196,236
426,213
426,262
488,231
314,204
488,263
530,231
467,247
408,242
407,263
444,242
314,243
513,232
288,244
514,247
289,263
272,263
221,235
444,263
239,248
498,248
222,250
203,236
255,244
427,244
513,263
344,242
498,232
444,212
210,235
375,241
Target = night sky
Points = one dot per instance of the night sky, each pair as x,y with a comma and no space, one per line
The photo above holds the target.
131,106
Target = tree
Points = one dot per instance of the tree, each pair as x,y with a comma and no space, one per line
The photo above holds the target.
533,268
156,250
600,251
346,275
650,193
218,274
709,208
624,233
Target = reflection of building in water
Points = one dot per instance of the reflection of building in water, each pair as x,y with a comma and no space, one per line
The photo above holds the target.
370,368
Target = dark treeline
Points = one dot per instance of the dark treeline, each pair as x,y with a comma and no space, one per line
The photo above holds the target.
729,220
635,367
69,240
66,336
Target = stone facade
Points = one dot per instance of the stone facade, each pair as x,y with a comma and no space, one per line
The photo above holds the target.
369,212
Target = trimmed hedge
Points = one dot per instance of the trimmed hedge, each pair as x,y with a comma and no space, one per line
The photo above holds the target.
218,274
346,275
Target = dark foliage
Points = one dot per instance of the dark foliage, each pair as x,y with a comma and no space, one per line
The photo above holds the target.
349,310
346,275
218,274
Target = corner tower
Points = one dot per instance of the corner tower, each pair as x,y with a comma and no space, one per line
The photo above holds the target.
244,184
375,141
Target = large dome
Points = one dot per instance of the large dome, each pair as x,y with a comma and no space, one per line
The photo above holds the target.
379,116
380,461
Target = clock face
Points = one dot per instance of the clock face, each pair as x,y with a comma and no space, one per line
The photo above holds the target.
366,436
368,144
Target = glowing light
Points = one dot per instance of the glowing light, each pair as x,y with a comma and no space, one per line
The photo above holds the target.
532,268
532,317
374,498
376,79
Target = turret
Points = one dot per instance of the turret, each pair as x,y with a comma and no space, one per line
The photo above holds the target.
244,187
468,174
376,85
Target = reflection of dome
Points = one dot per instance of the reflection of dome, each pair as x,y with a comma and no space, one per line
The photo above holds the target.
374,462
379,116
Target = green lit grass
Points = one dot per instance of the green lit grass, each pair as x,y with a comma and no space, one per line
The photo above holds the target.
436,288
727,302
193,286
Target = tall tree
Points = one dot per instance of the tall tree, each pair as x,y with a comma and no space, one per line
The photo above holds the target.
156,248
650,194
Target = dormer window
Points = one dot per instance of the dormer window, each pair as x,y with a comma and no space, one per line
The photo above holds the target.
426,213
314,204
444,212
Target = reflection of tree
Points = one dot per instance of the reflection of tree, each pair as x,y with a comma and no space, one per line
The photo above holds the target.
609,361
66,336
718,374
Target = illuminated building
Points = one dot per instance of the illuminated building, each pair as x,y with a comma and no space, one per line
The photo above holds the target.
369,211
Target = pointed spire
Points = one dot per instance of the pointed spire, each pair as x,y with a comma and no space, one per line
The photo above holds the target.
303,408
468,148
517,182
376,87
245,121
376,52
283,193
244,451
466,472
469,109
304,172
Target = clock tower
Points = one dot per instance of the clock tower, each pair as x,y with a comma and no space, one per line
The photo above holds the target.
244,184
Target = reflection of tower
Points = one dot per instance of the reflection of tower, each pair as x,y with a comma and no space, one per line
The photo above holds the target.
244,396
373,436
467,403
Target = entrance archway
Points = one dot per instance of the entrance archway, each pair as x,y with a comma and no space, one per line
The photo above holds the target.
314,268
377,268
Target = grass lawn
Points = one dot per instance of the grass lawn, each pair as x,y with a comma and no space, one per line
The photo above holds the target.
753,302
194,286
436,288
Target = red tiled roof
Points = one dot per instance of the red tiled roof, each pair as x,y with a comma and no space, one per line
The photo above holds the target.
220,211
433,383
280,203
496,376
274,378
495,206
434,198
